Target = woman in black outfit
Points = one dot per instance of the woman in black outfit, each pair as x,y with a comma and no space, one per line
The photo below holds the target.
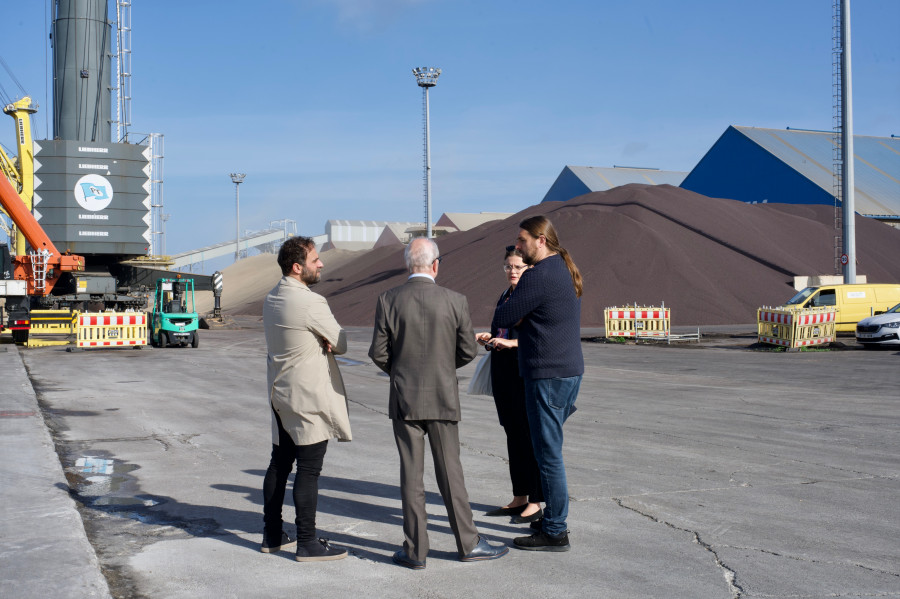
509,397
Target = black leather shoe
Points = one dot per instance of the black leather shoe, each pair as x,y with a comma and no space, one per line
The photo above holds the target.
543,542
530,518
484,551
401,559
506,511
537,525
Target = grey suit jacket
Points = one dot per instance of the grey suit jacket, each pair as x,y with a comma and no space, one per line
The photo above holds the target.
423,333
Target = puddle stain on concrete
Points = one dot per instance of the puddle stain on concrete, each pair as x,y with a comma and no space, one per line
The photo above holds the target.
118,518
102,478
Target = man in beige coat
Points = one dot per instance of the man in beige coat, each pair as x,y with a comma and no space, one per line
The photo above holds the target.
423,333
306,398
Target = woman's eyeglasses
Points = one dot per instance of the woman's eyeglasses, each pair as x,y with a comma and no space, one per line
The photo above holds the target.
509,268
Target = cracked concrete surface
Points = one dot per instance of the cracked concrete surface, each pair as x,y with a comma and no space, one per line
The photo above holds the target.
700,473
727,572
789,486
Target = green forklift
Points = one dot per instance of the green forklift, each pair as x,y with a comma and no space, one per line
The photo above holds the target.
174,320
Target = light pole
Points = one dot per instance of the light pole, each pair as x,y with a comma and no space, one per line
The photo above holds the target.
427,77
237,179
848,182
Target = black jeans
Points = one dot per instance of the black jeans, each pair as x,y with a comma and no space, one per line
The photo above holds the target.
306,485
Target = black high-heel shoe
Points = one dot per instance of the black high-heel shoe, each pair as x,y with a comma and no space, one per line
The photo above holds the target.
530,518
507,511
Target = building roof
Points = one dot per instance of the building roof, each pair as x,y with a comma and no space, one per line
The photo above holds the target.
811,154
356,223
574,181
420,230
388,237
353,246
400,230
463,221
360,234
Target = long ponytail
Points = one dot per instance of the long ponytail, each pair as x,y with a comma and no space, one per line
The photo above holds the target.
573,270
541,225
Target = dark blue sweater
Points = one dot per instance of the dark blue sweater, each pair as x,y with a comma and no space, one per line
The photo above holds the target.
550,333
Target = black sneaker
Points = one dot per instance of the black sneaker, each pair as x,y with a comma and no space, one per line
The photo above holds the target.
319,551
543,542
272,545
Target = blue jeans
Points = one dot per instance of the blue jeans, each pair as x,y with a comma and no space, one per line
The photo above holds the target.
549,402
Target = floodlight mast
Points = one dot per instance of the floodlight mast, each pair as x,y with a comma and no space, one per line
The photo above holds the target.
426,77
237,179
847,164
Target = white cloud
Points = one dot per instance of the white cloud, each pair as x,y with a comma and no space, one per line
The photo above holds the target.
367,15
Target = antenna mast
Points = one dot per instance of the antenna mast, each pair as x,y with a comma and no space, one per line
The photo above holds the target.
123,69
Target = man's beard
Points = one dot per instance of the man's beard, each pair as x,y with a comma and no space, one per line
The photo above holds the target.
310,277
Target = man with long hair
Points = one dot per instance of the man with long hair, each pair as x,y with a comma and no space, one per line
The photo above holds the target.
547,301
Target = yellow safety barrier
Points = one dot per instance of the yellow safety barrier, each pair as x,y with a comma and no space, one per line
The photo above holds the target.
637,322
796,327
50,327
111,329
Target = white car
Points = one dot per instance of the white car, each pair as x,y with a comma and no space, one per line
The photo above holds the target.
882,329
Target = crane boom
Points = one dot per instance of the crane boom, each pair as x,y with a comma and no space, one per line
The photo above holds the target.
21,174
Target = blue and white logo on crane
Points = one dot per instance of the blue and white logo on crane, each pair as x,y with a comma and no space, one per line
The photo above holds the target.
93,192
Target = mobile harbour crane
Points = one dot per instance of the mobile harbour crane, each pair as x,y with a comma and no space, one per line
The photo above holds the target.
45,277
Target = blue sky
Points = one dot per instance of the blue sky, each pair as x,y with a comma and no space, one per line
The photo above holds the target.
315,100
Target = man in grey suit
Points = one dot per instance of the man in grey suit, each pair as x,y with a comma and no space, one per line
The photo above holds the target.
423,333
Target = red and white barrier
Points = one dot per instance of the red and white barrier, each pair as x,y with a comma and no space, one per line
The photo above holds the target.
111,329
796,327
637,322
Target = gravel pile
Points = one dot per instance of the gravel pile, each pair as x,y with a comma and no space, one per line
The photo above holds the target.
712,261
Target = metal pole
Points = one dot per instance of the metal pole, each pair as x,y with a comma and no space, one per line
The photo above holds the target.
237,179
427,77
427,168
848,200
119,74
163,218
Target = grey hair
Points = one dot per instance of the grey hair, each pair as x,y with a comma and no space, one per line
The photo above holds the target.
419,256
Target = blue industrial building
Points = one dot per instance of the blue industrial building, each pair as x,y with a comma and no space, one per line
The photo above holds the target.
792,166
574,181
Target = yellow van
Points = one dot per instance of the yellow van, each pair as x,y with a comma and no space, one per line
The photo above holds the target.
853,301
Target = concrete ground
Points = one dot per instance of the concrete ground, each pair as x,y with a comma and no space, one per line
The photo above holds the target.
695,471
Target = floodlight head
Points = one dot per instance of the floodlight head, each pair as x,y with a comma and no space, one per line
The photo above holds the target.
426,76
237,178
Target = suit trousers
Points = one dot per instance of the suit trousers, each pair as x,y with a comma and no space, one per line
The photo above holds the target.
443,436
